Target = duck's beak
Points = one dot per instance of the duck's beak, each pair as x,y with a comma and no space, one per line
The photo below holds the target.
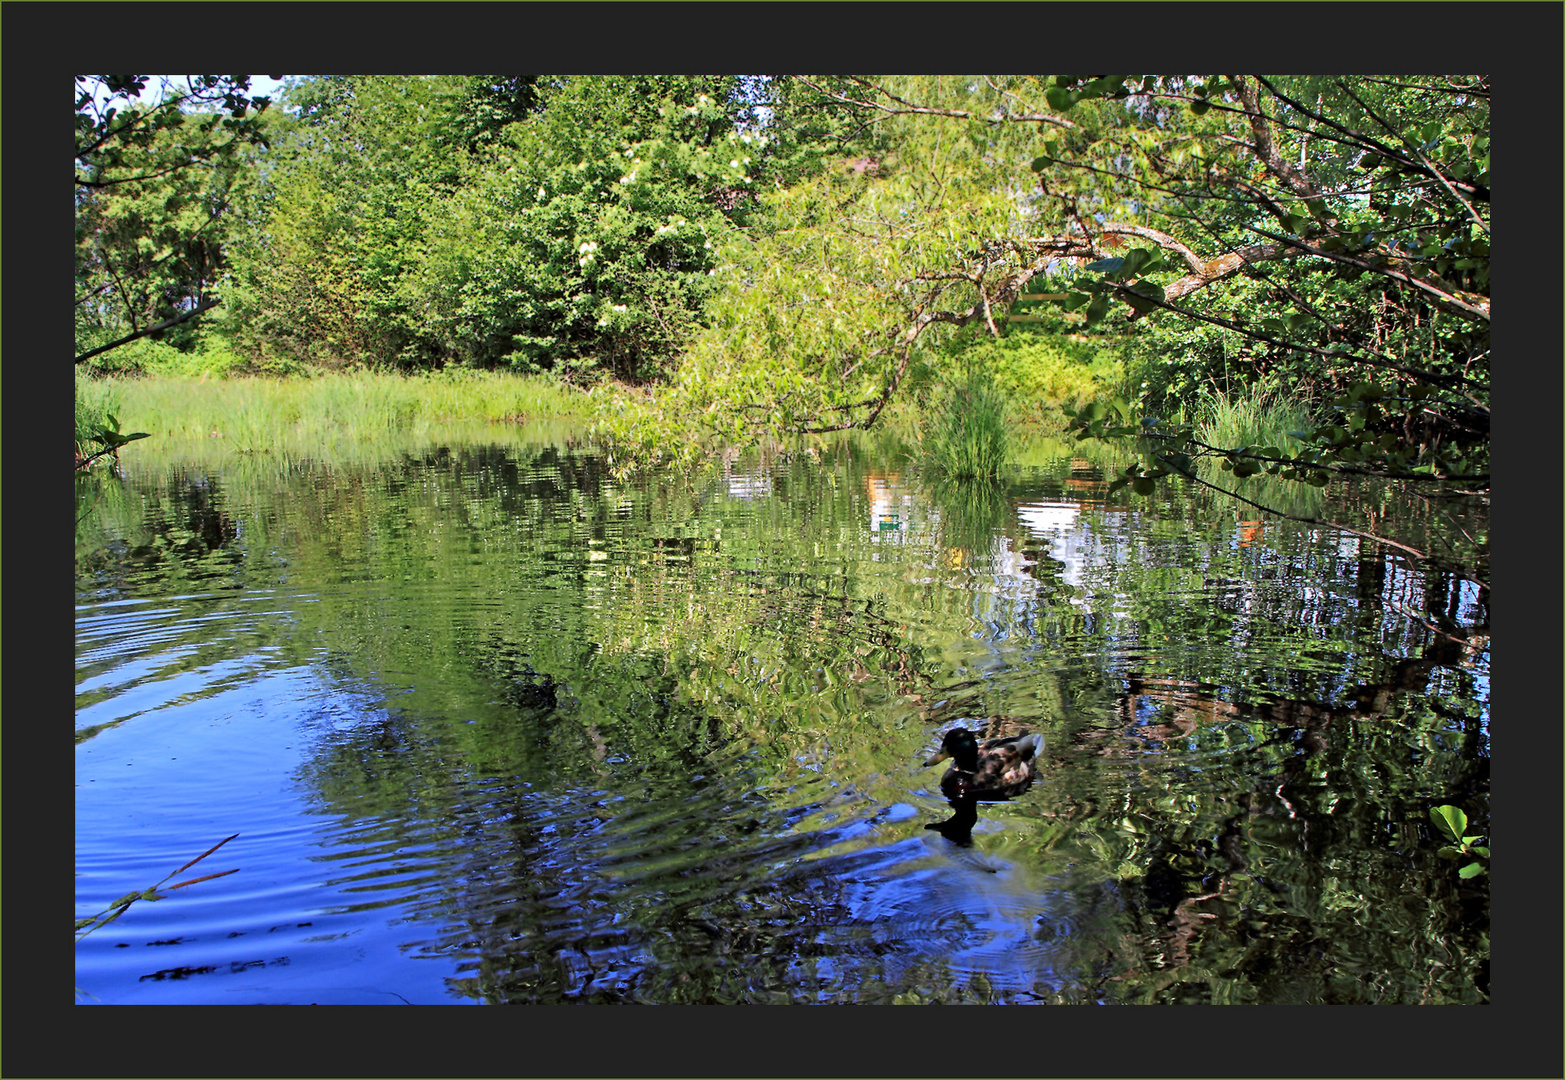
938,758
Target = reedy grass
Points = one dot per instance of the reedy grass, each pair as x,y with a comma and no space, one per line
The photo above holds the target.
969,437
1259,418
256,414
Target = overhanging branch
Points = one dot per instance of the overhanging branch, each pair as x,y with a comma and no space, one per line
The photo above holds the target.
183,316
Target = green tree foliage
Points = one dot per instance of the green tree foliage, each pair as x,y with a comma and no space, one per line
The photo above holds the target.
1355,214
336,220
585,242
530,222
1331,234
155,170
847,280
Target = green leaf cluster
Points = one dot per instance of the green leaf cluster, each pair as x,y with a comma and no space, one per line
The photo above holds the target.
156,172
1451,823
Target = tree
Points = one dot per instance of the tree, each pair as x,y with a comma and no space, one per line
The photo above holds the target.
540,223
1353,214
153,176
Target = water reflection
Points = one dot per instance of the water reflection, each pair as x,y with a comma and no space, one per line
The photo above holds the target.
496,727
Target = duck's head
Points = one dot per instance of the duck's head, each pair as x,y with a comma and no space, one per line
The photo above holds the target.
961,746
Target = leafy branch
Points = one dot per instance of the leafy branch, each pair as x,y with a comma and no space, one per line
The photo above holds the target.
1452,824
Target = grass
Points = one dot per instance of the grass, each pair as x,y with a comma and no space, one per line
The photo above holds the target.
1262,418
969,436
1259,418
95,402
256,414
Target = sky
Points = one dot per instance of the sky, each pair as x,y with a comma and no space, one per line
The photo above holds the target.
259,84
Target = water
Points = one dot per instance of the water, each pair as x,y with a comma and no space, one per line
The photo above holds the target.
493,727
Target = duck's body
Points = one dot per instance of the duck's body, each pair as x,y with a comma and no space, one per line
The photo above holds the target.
996,770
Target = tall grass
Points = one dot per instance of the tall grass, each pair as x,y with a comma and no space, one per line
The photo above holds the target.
1263,416
969,432
260,414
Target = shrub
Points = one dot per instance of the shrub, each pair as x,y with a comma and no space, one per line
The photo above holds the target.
95,402
1039,373
148,357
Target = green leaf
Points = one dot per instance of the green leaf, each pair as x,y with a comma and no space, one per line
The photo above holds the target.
1471,870
1152,292
1449,820
1105,266
1144,486
1141,261
1200,107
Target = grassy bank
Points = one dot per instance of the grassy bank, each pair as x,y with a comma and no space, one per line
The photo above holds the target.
252,413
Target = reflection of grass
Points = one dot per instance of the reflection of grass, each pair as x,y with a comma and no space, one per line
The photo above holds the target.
259,414
971,511
1273,492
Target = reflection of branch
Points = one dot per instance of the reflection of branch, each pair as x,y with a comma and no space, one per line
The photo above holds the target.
1336,468
1296,517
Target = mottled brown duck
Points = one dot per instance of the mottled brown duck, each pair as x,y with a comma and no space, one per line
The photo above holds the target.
995,770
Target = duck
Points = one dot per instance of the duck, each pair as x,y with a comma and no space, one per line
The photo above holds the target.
992,772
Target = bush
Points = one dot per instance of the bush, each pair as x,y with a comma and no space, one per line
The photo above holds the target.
148,357
1038,373
95,402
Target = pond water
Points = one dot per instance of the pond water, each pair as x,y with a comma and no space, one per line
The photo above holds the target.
492,726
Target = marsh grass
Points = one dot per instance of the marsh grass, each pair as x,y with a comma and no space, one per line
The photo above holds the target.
1262,417
262,414
969,436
